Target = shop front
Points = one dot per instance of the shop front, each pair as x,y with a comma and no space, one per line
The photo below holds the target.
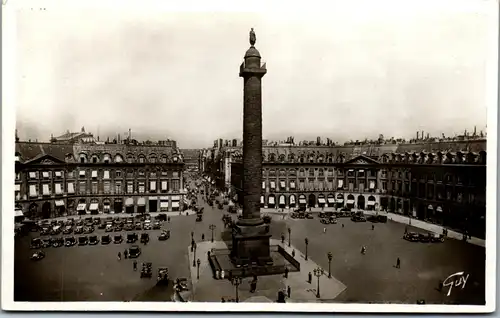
141,205
94,207
330,200
176,205
60,208
153,204
163,204
321,201
292,201
118,205
129,205
81,208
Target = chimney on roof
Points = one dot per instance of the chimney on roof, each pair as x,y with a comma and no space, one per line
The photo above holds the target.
83,129
427,135
474,131
67,131
417,135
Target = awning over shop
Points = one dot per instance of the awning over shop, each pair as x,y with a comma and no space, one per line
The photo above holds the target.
350,201
302,201
81,207
175,204
371,202
94,206
271,200
439,209
292,199
141,202
153,198
164,198
59,203
430,207
176,198
321,200
18,213
129,202
262,199
163,204
331,200
282,200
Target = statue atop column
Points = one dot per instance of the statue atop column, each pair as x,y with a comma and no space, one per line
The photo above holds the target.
252,37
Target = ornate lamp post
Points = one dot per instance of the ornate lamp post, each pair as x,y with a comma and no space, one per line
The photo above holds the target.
307,243
236,281
212,228
318,272
194,257
289,237
330,256
198,262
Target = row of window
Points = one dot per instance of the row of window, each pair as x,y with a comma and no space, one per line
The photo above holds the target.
319,172
282,185
105,187
431,192
83,158
104,174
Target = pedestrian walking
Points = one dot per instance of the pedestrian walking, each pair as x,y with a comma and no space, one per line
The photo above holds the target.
398,263
222,300
135,265
309,278
342,225
406,229
293,253
324,230
168,219
289,291
119,256
286,272
373,227
203,236
125,254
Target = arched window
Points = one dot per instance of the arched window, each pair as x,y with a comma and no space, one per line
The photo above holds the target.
83,158
282,158
164,158
130,158
152,158
142,159
106,158
118,158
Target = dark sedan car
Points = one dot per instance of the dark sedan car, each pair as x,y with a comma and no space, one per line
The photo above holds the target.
134,251
93,240
83,240
117,239
132,237
412,237
105,239
70,241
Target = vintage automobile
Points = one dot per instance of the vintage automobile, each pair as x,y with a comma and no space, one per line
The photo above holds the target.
412,236
138,226
102,226
199,218
165,235
146,270
93,240
267,219
436,238
134,251
147,225
132,237
36,243
70,241
308,215
70,221
80,222
358,217
88,229
220,205
57,242
232,209
329,220
117,239
37,256
144,238
83,240
44,230
79,229
89,221
118,227
109,228
129,226
162,276
68,229
56,230
156,226
47,242
162,217
97,221
105,239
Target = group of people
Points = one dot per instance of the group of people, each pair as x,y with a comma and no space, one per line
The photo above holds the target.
125,254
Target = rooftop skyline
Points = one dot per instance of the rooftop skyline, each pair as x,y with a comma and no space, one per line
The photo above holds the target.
345,75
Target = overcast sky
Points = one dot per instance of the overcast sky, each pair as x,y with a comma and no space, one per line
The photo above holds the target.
349,72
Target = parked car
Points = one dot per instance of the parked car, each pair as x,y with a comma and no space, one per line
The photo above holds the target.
118,227
68,229
39,255
105,239
138,226
57,242
79,229
436,238
109,228
144,238
411,236
117,239
308,215
165,235
56,230
128,226
97,221
134,251
162,276
89,221
70,241
36,243
89,229
132,237
156,226
47,242
93,240
102,226
147,225
83,240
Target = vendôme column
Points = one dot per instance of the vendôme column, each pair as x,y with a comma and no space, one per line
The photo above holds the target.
252,73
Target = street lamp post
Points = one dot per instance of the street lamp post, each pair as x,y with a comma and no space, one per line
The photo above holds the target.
236,281
307,243
212,228
289,237
198,262
330,256
194,257
318,272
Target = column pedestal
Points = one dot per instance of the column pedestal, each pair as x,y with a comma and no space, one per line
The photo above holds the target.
251,245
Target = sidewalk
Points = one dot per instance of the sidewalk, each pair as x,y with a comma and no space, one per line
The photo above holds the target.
122,215
429,227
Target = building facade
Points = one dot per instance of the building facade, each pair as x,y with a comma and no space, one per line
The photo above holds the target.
69,179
